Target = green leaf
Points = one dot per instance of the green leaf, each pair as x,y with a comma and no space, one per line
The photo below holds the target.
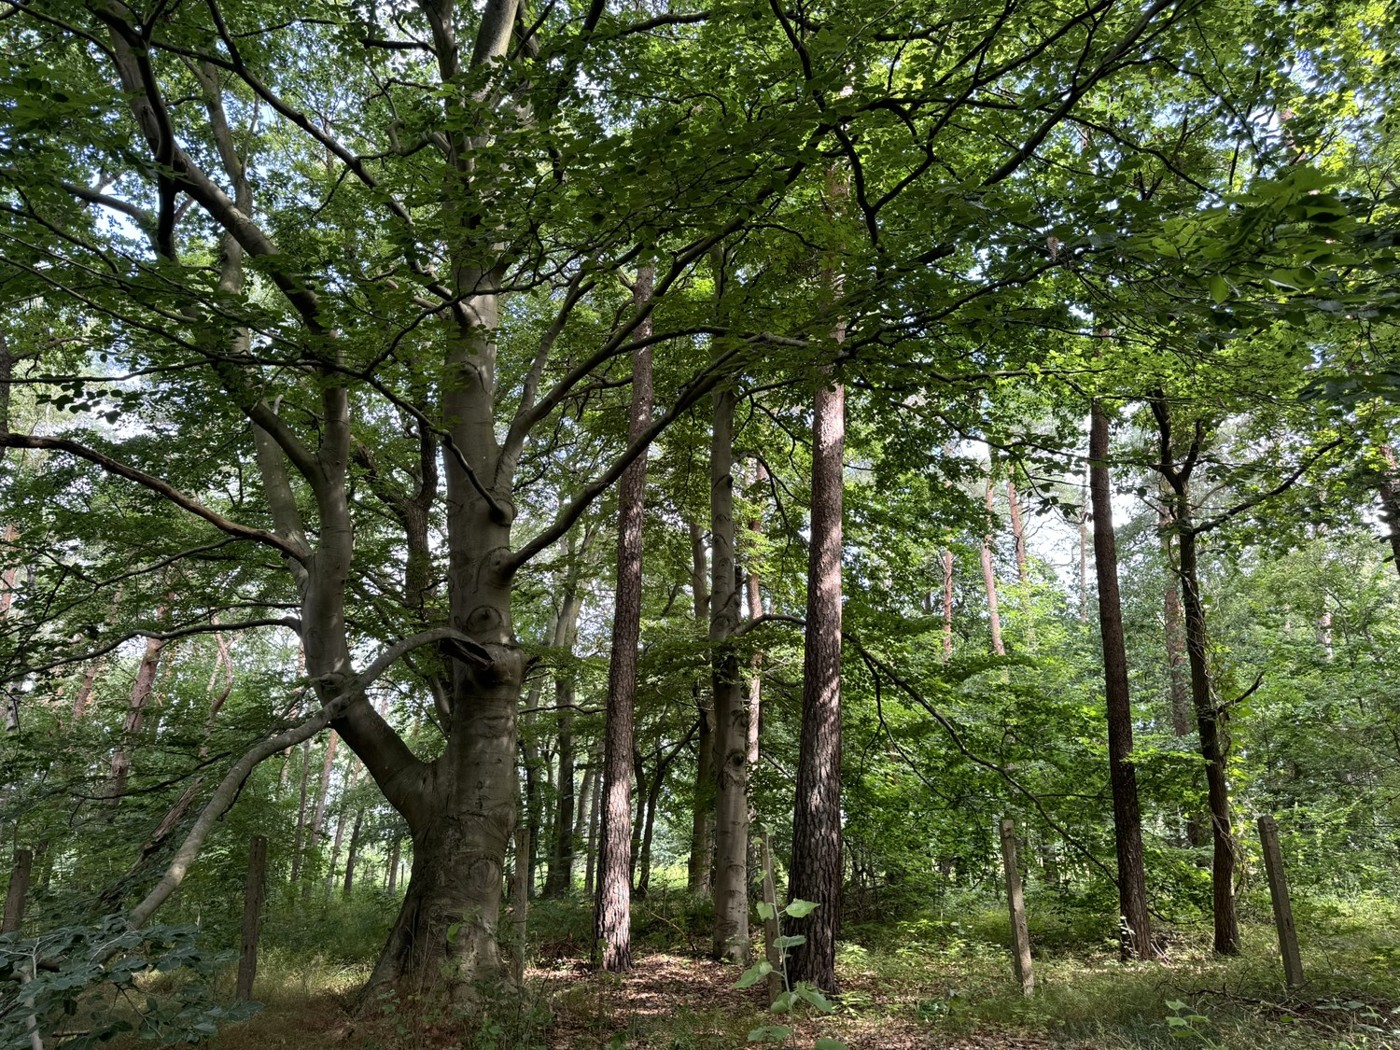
800,909
766,911
792,940
753,975
1219,289
827,1043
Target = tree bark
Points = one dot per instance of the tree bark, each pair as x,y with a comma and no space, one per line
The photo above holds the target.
1136,931
702,842
297,847
561,860
141,689
731,930
612,930
352,853
989,580
947,605
1389,488
816,847
1211,720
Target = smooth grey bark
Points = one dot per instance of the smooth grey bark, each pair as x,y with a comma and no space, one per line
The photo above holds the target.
989,578
702,842
612,923
561,860
731,930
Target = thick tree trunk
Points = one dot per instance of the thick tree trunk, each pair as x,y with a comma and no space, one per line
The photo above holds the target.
702,841
612,930
816,846
731,932
1136,937
989,581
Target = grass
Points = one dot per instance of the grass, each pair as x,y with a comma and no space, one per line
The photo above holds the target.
929,981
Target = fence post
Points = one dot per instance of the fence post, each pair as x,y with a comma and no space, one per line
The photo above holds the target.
253,894
1283,908
19,886
1020,934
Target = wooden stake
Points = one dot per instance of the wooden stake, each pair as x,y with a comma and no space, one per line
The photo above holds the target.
252,911
771,951
19,886
1020,934
1283,909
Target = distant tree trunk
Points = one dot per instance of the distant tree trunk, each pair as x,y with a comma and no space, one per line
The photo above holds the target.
531,812
591,852
816,846
335,852
947,605
1390,499
561,859
754,590
10,575
1136,938
301,812
1018,533
1211,721
586,792
393,874
613,913
141,690
1083,525
352,853
702,842
1175,632
318,816
731,895
989,581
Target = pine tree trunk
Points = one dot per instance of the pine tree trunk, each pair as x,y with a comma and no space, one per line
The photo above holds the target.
1136,938
816,848
612,929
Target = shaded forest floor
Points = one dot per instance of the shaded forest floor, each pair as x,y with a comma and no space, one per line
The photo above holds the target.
939,985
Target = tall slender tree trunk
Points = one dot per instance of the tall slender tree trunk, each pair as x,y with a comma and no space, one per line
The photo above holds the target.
816,846
1211,720
702,841
1177,683
352,853
1083,526
392,880
561,860
297,846
613,914
989,579
731,932
947,605
1389,488
1136,938
1018,533
595,807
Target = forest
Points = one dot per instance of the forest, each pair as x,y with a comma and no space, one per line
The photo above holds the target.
696,524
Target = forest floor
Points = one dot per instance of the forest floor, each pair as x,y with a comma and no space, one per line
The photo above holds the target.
934,982
953,995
